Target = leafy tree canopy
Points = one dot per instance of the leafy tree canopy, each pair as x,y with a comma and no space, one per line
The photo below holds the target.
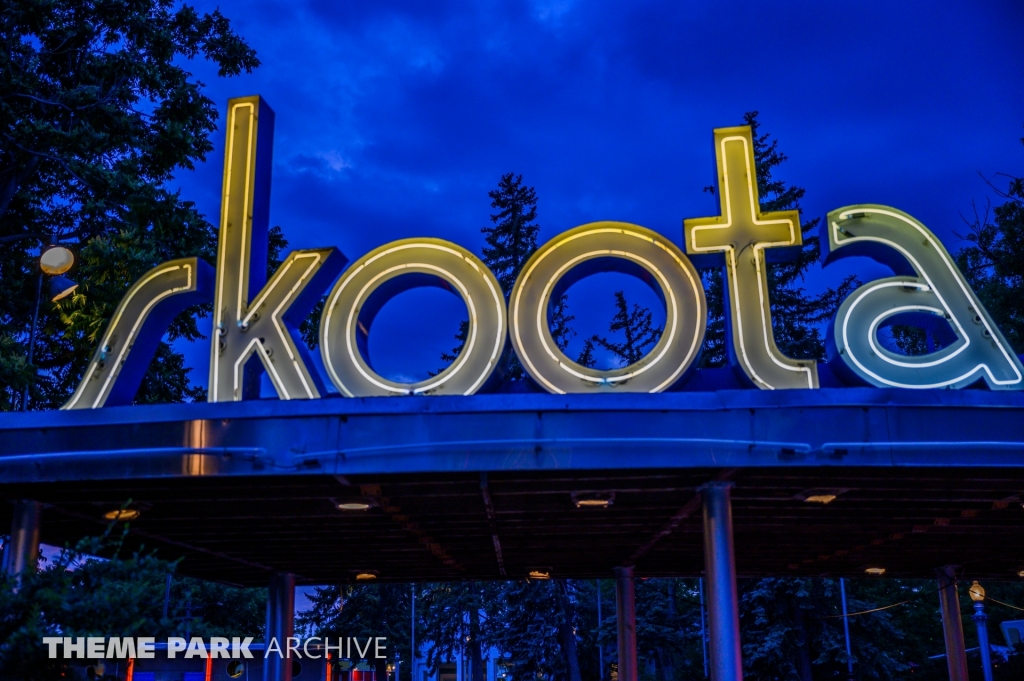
136,594
97,112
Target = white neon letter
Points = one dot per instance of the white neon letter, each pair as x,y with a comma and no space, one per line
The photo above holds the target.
742,233
932,285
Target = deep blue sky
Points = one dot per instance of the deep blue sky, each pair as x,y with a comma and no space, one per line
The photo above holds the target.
394,119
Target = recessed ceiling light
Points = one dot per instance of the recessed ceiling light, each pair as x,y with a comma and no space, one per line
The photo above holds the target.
820,495
875,571
593,499
539,574
1021,573
122,514
353,506
365,576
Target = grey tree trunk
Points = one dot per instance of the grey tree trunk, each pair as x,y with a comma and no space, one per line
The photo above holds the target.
566,636
476,662
803,666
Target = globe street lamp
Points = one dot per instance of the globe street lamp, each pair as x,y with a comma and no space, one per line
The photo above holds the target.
977,594
54,261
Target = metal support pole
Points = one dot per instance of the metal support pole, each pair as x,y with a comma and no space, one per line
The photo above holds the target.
952,627
280,625
720,569
32,338
703,627
846,630
625,614
981,620
412,637
600,646
22,551
167,595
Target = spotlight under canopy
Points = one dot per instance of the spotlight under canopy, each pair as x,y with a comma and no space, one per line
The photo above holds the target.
593,499
122,514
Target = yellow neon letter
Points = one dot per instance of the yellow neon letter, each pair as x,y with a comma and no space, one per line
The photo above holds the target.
266,327
129,341
742,233
608,247
382,274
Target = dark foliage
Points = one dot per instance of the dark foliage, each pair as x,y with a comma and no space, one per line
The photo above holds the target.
123,594
97,112
634,326
994,261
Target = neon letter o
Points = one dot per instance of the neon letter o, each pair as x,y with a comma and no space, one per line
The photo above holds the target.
389,270
604,247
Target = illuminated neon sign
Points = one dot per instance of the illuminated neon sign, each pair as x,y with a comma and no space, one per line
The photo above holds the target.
742,234
928,284
384,273
264,325
259,333
608,246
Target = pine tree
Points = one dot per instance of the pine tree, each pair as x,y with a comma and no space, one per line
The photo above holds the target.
509,243
664,629
513,237
637,328
567,625
796,315
559,322
667,628
450,622
361,610
586,357
531,625
123,594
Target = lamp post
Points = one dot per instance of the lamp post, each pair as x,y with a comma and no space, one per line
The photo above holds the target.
846,630
703,623
54,261
600,647
977,594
